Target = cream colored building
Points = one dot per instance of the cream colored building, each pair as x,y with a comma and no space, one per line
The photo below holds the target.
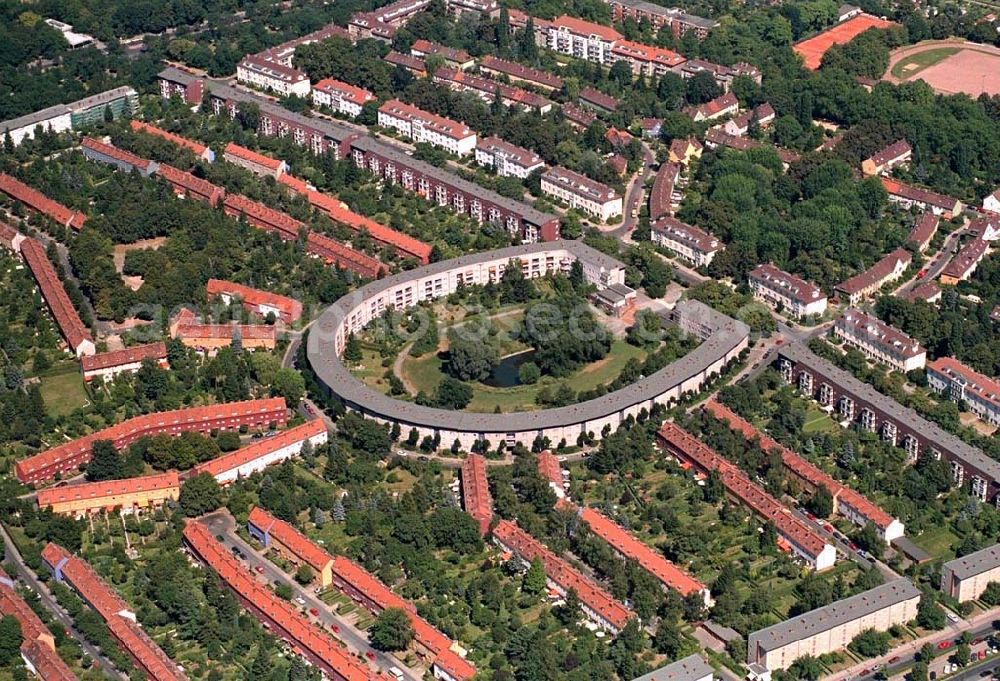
832,627
579,191
965,578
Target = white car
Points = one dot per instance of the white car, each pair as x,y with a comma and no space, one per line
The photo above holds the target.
300,600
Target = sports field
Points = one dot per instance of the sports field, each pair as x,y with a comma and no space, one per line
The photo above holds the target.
813,49
948,66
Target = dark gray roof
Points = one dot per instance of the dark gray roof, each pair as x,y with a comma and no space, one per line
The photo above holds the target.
958,448
50,112
974,563
386,150
690,668
728,333
837,613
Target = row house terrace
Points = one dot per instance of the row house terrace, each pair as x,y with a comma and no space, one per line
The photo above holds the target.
487,89
883,161
908,196
258,164
72,328
966,386
208,338
40,203
449,190
724,75
680,22
880,342
518,73
661,196
38,648
854,402
102,152
868,283
923,231
264,452
476,499
255,300
109,365
453,58
188,186
200,151
965,262
128,496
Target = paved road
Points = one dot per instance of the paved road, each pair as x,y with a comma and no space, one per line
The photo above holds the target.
937,264
224,525
49,602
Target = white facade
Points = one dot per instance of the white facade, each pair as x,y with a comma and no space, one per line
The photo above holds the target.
59,122
340,99
796,297
269,459
420,126
577,191
507,160
686,241
590,47
880,342
274,77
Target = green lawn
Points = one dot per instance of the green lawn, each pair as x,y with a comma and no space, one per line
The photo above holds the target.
63,390
425,373
914,64
818,421
937,541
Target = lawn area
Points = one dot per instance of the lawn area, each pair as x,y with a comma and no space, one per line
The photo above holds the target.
425,373
915,63
938,542
370,370
63,390
818,421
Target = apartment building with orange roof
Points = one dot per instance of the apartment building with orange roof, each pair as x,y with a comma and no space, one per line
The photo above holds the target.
256,300
38,649
109,365
846,501
69,456
291,544
119,617
281,617
908,196
200,150
599,606
551,472
476,498
343,98
518,73
265,452
40,203
487,89
129,495
73,330
209,338
258,164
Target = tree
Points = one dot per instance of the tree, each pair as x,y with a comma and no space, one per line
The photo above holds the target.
534,578
304,574
105,462
352,349
668,639
868,539
391,631
288,383
200,494
929,615
991,594
806,668
870,643
821,503
469,358
962,654
569,611
529,373
10,640
452,393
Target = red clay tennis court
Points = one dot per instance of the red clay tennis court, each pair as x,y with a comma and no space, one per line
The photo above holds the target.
813,49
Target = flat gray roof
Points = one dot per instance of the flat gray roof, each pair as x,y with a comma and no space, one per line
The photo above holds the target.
690,668
975,563
833,615
50,112
932,433
728,333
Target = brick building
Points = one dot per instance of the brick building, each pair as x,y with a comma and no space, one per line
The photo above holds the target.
129,495
255,300
265,452
68,457
109,365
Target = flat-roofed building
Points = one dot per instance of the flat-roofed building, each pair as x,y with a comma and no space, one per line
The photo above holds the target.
270,75
342,97
690,668
258,164
72,328
109,365
691,243
879,341
264,452
884,160
507,159
72,116
830,628
966,386
791,294
419,126
255,300
579,191
966,578
679,21
868,283
129,495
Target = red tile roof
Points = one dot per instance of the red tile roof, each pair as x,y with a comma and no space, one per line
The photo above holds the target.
336,253
321,647
36,200
801,467
8,234
476,499
983,387
137,353
110,606
626,544
891,153
586,28
714,107
924,196
289,537
877,274
407,61
444,126
515,70
352,93
66,457
577,115
660,202
47,662
925,291
923,231
549,468
648,53
448,53
185,182
562,573
140,126
457,79
114,152
65,315
36,638
289,308
740,486
964,262
98,493
260,448
251,156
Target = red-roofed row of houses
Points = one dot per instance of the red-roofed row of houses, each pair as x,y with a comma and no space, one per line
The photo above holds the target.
108,365
312,642
68,320
209,338
795,535
116,613
199,149
188,186
363,587
599,606
68,457
846,501
265,452
129,495
256,300
102,152
476,499
37,201
38,648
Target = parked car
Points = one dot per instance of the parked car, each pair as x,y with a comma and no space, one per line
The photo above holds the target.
334,628
300,600
314,612
944,645
259,569
894,659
